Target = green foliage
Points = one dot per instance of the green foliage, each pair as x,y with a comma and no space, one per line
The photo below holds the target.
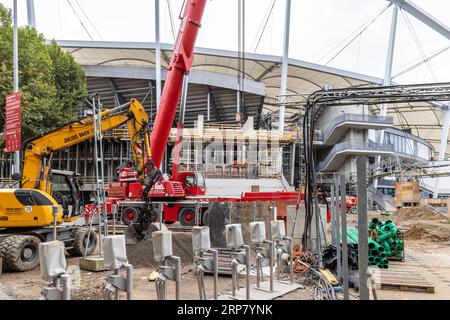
50,81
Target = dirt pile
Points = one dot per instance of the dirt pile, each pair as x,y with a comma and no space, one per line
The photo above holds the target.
423,213
141,253
424,231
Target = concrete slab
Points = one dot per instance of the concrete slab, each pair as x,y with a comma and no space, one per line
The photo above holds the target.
280,289
93,263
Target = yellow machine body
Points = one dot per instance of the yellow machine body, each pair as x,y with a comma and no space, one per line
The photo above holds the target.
24,208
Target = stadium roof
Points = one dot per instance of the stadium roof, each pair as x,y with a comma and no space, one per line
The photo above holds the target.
127,66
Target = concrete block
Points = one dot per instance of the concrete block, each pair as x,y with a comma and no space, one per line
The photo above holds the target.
114,251
52,259
258,232
200,238
233,235
93,263
278,230
162,245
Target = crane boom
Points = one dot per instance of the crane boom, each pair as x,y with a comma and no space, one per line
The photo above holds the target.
182,58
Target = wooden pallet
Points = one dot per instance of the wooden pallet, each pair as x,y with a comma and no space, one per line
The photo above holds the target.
404,280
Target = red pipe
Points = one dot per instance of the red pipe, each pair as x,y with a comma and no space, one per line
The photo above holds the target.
182,58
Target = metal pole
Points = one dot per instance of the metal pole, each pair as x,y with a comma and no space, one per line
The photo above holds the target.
333,218
344,239
247,272
16,74
238,101
129,269
292,164
442,148
387,75
208,106
363,249
65,279
338,229
116,290
271,265
216,271
114,214
96,171
157,55
55,210
178,277
284,64
31,14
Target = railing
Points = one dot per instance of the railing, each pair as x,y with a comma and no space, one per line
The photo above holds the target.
372,147
351,117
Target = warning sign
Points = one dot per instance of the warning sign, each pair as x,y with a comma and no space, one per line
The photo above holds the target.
13,119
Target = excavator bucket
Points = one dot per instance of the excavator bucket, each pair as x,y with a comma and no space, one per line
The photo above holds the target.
133,234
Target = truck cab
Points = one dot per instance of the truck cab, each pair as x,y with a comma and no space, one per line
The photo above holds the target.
66,190
193,182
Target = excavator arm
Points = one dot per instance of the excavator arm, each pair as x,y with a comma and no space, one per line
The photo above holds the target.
38,151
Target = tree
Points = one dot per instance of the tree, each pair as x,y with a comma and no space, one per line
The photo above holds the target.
51,82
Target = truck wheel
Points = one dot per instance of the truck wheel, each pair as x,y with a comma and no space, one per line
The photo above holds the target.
130,215
205,218
186,216
353,210
20,253
80,240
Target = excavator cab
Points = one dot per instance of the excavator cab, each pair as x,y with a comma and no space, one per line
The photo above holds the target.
66,190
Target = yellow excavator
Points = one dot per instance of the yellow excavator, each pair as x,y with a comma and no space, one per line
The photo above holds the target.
26,213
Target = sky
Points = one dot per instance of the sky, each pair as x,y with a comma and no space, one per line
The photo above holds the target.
319,30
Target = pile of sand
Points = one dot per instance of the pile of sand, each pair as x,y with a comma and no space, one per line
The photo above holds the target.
424,231
422,213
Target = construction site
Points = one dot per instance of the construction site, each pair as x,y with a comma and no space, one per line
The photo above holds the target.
218,163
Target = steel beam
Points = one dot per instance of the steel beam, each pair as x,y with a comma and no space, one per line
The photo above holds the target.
213,105
442,148
344,237
16,74
284,64
31,14
363,249
387,75
423,16
157,54
117,95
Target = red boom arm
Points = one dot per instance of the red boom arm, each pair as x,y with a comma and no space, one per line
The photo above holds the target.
181,62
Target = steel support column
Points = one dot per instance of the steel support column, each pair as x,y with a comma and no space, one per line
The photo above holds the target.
284,64
387,75
30,14
344,237
16,74
363,249
442,148
157,54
